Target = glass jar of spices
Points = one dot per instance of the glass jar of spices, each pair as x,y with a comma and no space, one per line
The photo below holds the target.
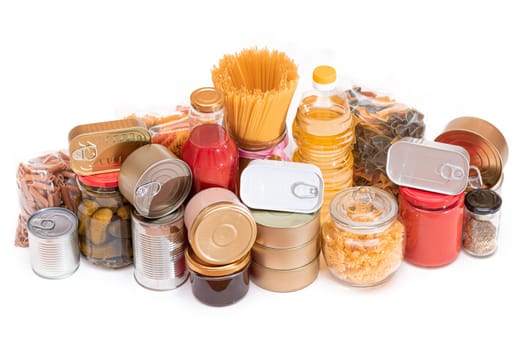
363,240
104,230
481,226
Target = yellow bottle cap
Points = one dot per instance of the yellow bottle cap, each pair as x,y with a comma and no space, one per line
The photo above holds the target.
324,75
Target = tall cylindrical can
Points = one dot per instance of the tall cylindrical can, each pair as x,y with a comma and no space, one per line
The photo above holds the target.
158,246
53,242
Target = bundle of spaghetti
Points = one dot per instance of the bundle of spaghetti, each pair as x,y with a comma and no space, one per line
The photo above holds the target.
258,86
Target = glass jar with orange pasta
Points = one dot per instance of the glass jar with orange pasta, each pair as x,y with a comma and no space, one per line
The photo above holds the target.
363,241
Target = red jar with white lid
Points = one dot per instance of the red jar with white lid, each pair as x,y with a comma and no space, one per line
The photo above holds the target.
433,224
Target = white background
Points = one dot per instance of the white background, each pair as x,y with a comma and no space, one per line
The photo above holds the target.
63,64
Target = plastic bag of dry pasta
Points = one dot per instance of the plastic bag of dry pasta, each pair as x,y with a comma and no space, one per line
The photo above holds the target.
44,181
170,130
381,121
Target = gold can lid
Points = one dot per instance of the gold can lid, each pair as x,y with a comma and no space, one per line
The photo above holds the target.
200,267
207,99
222,233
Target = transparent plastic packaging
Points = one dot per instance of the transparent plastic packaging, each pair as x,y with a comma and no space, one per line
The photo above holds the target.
323,130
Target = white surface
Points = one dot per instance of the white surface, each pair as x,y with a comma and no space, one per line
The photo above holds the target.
63,64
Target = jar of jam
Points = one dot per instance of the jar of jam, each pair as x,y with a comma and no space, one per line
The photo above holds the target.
363,240
433,224
210,152
104,230
218,285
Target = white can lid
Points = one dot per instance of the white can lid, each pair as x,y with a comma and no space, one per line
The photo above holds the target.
282,186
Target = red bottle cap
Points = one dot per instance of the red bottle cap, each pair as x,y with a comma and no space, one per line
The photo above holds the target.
432,200
107,180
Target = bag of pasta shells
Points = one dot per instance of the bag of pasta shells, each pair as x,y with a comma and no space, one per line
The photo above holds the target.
381,121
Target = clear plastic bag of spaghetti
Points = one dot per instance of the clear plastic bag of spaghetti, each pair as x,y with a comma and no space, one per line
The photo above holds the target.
381,121
170,129
44,181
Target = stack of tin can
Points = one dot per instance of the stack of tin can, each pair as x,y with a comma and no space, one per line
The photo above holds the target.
285,199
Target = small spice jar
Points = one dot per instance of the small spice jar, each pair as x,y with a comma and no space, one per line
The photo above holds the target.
433,223
104,230
218,285
481,226
210,151
362,240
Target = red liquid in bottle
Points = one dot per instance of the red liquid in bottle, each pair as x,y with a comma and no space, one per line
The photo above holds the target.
213,158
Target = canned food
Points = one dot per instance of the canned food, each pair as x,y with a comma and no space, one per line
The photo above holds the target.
158,250
220,228
485,144
284,280
285,230
155,181
428,165
53,242
102,147
282,186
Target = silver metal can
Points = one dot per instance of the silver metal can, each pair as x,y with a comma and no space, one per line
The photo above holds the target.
158,250
53,242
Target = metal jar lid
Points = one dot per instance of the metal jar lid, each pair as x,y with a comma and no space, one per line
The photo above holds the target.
102,147
155,181
207,99
428,165
53,242
285,230
222,233
282,186
485,144
483,202
197,265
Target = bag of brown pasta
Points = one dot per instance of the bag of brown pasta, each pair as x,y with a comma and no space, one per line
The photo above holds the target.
381,121
44,181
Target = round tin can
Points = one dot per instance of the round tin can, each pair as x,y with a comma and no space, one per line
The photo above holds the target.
158,246
155,181
53,242
284,280
285,230
286,258
485,144
221,229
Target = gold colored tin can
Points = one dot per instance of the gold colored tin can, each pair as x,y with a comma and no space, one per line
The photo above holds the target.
486,145
102,147
286,258
155,181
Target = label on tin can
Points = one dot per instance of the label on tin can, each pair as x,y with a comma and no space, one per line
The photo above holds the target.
282,186
428,165
103,147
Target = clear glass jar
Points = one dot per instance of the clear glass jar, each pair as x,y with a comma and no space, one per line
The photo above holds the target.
481,226
104,230
323,130
363,242
210,151
218,285
433,224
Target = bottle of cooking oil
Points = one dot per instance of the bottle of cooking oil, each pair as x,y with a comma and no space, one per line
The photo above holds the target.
323,130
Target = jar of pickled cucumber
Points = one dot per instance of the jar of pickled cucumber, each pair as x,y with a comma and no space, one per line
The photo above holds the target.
104,230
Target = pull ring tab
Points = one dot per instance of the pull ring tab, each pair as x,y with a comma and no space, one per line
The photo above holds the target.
304,191
145,193
451,172
43,224
475,182
86,152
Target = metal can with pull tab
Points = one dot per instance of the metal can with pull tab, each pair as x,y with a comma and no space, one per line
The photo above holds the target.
428,165
53,242
155,181
282,186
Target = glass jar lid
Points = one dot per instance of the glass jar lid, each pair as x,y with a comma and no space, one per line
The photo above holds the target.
207,99
106,180
483,202
363,209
